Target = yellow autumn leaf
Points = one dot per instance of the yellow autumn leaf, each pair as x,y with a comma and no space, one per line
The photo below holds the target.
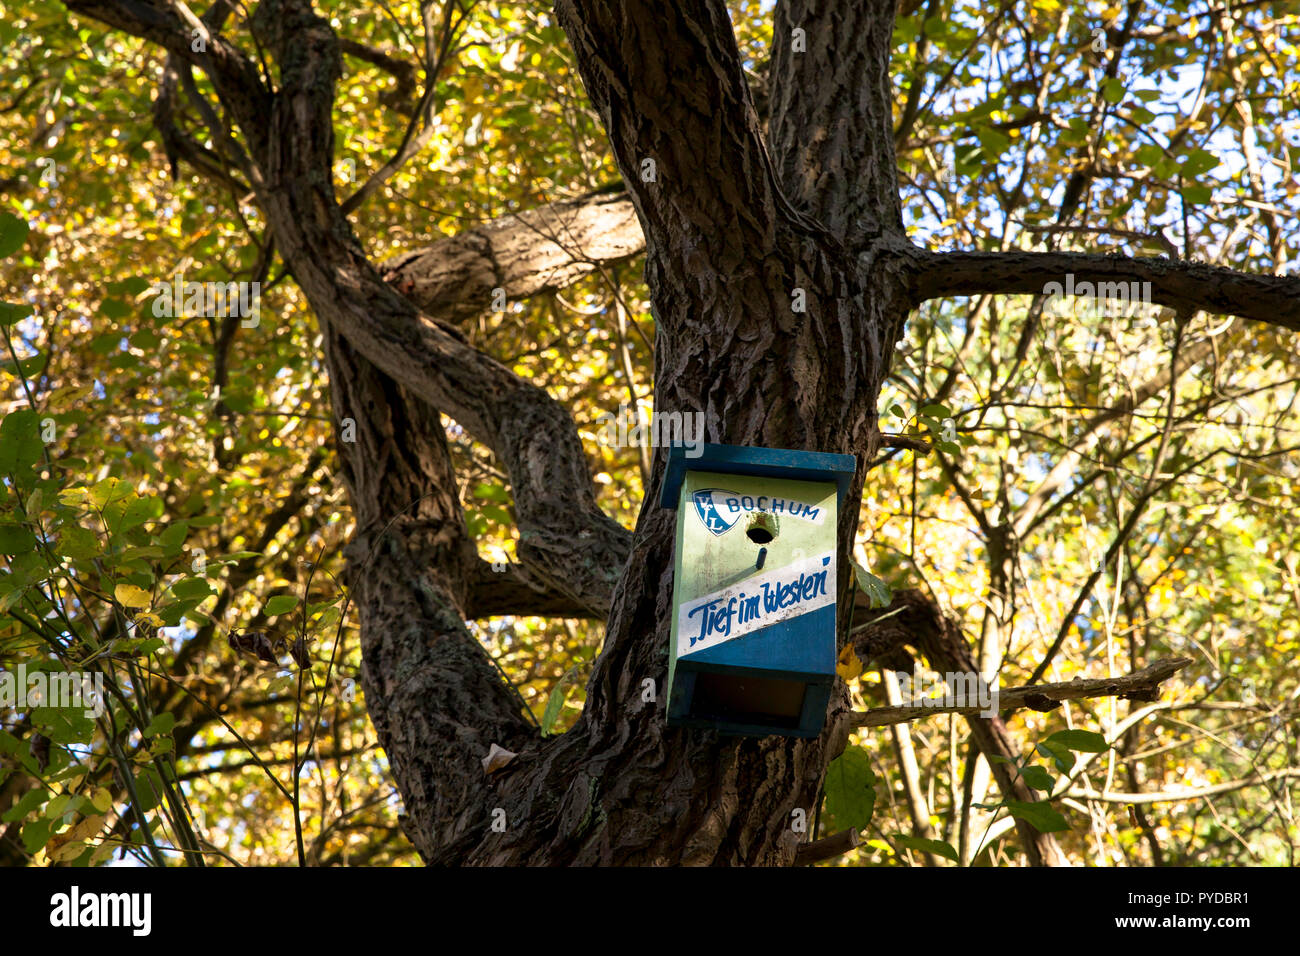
68,852
849,665
128,595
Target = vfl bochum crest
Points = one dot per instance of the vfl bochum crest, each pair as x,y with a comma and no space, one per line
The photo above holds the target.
718,508
706,506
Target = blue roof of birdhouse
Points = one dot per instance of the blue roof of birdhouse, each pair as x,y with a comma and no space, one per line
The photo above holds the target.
759,463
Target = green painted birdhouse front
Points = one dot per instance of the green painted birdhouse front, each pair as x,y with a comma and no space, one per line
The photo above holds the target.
753,634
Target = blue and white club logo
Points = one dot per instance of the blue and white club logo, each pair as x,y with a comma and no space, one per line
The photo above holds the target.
707,501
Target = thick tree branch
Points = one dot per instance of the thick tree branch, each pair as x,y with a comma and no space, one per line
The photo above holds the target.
1180,284
436,698
513,590
530,253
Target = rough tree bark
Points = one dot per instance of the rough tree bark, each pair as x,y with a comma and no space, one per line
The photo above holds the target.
738,229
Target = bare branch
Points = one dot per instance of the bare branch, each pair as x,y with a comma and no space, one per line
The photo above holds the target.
826,848
1258,779
1138,685
889,440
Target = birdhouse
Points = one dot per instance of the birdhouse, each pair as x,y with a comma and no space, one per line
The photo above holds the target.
754,587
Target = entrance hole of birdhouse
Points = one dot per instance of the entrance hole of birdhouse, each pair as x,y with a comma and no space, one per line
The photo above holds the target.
762,528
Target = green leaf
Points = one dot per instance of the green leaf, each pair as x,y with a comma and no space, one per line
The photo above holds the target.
1084,741
281,685
114,308
1112,91
20,442
937,847
1061,756
555,700
26,806
12,312
132,285
16,539
188,589
1036,778
850,790
58,806
36,834
993,143
77,543
938,412
280,604
64,725
875,589
109,490
149,788
1198,163
1149,154
497,513
173,538
161,724
138,511
496,493
1197,195
27,368
13,233
139,646
1041,815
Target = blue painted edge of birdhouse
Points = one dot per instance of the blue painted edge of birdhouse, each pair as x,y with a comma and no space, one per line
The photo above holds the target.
760,463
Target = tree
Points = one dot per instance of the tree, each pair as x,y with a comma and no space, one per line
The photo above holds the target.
781,279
